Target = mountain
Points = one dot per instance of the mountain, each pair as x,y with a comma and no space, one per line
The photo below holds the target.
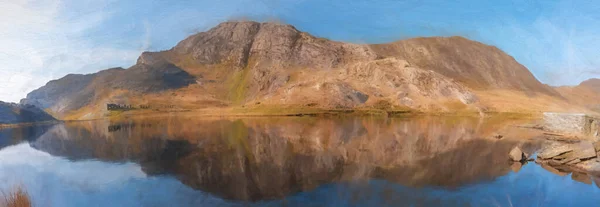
11,113
262,65
74,92
474,64
587,93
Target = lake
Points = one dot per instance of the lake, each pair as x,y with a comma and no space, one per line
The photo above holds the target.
283,161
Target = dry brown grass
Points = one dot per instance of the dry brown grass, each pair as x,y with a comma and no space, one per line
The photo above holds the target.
17,198
519,102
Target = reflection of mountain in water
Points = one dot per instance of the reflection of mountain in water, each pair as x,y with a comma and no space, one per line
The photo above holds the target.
267,158
11,136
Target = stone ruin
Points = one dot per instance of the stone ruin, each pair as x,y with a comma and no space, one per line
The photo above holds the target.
115,107
572,123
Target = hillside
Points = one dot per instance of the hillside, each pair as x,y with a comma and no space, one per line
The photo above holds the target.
265,65
586,94
74,92
15,113
474,64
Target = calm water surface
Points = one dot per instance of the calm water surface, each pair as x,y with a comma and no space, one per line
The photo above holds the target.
288,161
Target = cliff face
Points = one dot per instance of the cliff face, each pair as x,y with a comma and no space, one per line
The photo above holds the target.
15,113
243,63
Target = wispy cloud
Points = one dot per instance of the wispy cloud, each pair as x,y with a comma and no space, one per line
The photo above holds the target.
41,41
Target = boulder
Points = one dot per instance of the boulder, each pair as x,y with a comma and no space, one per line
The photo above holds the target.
516,155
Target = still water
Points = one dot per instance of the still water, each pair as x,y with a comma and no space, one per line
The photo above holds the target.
287,161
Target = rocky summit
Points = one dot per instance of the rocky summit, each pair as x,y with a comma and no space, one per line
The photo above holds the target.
266,65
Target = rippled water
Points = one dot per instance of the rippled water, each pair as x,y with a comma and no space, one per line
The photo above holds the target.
291,161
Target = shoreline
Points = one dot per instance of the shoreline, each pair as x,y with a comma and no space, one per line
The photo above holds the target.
16,125
300,112
283,111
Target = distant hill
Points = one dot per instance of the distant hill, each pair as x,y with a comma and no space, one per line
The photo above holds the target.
11,113
591,84
73,92
587,94
255,64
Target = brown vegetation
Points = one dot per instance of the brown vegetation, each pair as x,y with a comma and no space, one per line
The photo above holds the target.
17,198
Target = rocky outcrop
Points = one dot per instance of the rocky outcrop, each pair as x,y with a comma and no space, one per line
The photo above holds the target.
19,113
578,156
391,80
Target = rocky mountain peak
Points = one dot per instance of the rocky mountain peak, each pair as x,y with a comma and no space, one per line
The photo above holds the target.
273,44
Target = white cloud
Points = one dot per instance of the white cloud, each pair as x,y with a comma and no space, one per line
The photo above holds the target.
40,43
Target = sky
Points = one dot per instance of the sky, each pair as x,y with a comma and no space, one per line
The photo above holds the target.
42,40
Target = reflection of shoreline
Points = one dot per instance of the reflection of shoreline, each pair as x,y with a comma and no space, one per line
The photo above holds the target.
18,125
267,158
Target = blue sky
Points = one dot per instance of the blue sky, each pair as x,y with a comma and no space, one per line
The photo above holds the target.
45,40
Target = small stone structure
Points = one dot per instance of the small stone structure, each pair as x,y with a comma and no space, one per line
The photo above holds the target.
572,123
115,107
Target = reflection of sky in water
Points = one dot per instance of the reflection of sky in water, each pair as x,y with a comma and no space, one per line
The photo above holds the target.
53,181
532,186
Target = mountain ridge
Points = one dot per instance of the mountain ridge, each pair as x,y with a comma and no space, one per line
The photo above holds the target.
239,64
11,113
587,93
